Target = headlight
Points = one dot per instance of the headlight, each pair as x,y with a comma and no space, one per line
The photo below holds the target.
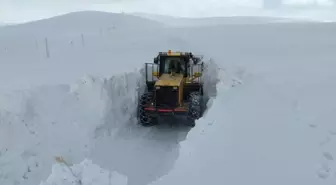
157,87
174,88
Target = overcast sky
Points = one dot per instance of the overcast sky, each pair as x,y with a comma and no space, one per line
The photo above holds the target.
26,10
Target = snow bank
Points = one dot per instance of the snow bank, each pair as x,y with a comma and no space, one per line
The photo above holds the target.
122,96
85,173
60,120
246,144
273,128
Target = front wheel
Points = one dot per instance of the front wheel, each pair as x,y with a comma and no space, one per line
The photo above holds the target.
194,108
190,122
144,118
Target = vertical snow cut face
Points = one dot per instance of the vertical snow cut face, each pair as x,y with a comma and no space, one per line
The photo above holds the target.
121,100
58,120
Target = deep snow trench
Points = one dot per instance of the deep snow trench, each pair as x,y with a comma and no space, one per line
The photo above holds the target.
94,118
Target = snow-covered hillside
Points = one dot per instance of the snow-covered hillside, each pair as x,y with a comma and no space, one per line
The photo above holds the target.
214,21
271,121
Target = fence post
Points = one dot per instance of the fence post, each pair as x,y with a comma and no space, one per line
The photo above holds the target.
47,48
83,42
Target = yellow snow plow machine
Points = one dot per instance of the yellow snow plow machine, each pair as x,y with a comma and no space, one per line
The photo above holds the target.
174,88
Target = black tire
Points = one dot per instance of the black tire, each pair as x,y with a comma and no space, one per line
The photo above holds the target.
191,122
144,118
195,108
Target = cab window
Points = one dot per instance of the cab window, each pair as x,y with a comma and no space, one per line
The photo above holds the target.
169,63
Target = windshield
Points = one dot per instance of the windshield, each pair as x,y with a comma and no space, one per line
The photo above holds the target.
173,63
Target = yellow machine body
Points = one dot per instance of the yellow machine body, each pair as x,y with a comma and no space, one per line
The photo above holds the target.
176,81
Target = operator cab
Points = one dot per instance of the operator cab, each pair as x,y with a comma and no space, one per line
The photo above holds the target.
173,63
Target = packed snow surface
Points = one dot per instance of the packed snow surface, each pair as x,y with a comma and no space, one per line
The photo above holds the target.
85,173
69,89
